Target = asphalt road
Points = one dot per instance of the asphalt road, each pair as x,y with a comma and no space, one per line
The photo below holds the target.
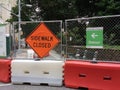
31,87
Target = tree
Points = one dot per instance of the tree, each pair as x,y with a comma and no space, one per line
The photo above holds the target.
110,7
65,9
107,7
58,9
25,12
86,7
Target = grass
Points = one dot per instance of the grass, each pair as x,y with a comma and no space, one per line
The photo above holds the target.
113,47
116,47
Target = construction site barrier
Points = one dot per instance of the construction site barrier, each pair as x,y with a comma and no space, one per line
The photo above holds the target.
5,73
94,76
37,72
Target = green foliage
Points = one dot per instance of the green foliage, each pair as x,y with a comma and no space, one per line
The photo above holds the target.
76,37
58,9
108,7
85,7
109,40
115,47
28,28
65,9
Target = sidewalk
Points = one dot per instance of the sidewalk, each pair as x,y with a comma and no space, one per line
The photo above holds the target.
53,55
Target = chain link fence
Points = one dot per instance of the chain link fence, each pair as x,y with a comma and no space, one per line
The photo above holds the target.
75,38
28,27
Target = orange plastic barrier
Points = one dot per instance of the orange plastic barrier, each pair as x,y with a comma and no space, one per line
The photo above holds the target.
5,74
94,76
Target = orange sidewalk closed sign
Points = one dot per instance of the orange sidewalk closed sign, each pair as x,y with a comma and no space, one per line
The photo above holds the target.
42,40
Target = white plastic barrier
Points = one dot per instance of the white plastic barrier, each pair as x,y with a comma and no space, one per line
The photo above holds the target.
37,72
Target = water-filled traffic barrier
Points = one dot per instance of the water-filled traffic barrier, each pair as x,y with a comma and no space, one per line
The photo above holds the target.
94,76
5,73
37,72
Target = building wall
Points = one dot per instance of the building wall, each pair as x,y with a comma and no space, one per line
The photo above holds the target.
5,14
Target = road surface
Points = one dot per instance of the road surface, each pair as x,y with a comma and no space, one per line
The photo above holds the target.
10,86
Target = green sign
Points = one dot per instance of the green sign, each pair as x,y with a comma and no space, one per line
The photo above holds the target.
94,37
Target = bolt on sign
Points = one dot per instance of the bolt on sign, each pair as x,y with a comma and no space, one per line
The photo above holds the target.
42,40
94,37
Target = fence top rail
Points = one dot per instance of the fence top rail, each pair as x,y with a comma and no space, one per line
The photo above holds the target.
96,17
37,21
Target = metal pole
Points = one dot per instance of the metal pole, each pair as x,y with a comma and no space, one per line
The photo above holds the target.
19,22
61,37
66,32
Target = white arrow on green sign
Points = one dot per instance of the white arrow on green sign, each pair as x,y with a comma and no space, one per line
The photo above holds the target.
94,37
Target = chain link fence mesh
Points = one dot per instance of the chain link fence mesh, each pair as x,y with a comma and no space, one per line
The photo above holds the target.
75,36
72,35
28,27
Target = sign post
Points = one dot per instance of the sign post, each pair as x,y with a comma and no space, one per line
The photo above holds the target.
94,37
42,40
